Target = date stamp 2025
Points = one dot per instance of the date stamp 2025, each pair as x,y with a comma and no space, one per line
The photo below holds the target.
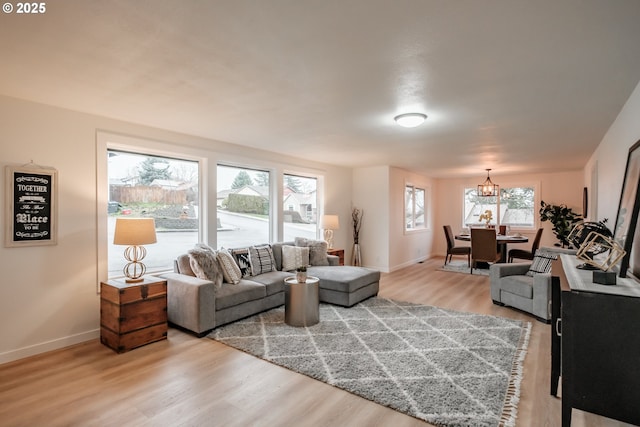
25,8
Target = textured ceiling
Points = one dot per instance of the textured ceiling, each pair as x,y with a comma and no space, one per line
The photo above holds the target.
507,84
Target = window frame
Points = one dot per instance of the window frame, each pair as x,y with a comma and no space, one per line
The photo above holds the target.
105,142
272,211
497,220
424,225
319,189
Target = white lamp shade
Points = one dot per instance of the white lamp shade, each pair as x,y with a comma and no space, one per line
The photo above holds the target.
330,222
135,231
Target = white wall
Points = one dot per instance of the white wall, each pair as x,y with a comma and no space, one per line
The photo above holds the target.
610,158
408,247
48,294
379,191
371,194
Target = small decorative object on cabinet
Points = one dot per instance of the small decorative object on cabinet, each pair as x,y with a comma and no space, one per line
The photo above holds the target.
337,252
132,315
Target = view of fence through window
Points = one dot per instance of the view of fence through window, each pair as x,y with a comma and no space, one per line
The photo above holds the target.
514,208
166,189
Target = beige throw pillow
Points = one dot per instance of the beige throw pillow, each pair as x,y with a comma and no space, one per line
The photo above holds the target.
317,250
294,257
230,269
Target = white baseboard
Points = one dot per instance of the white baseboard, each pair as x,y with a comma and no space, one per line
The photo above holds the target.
408,263
44,347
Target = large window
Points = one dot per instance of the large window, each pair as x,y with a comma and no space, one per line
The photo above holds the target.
475,206
300,207
517,207
414,208
163,188
514,208
243,206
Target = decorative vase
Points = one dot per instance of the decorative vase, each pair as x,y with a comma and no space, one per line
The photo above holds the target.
356,257
301,276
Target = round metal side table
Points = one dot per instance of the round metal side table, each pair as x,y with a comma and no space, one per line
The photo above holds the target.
301,302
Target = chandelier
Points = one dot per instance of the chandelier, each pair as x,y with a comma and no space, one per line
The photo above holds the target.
488,188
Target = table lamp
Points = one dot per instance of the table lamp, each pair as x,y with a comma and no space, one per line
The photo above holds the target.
329,223
134,232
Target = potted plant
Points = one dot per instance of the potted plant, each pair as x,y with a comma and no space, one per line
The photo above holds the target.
563,220
301,274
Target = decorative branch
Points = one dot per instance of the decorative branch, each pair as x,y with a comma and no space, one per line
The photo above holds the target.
356,219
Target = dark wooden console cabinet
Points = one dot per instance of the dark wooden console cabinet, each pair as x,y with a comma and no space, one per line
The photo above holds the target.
595,344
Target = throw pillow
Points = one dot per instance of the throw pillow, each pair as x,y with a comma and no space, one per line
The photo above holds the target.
262,260
242,259
183,265
294,257
541,262
204,264
230,269
317,250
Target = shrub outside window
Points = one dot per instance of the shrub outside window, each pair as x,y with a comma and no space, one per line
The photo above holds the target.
243,206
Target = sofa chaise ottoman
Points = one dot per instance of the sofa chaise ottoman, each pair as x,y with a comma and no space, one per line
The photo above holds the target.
200,305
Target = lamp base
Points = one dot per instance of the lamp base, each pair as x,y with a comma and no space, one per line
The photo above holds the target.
328,237
134,270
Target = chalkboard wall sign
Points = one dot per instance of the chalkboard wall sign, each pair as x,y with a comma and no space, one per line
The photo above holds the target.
31,193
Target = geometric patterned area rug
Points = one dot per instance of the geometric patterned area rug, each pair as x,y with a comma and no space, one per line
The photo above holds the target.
445,367
462,267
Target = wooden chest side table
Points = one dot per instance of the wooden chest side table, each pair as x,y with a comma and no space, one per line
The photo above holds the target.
133,314
338,252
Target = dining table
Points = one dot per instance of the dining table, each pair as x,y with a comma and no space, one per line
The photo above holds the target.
502,239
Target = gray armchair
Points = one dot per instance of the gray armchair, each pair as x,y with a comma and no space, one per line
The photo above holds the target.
511,286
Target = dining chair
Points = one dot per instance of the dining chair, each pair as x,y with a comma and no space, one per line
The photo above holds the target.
525,254
452,249
484,246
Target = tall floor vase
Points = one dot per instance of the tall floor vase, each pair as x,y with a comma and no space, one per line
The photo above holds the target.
356,257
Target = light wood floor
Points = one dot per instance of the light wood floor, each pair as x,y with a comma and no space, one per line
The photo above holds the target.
199,382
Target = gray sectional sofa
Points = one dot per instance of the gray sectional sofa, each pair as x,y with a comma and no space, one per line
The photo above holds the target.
199,305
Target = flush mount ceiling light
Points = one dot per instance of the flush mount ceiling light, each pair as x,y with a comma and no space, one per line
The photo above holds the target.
410,120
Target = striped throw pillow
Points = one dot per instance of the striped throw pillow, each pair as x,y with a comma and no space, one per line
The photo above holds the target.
261,259
541,262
